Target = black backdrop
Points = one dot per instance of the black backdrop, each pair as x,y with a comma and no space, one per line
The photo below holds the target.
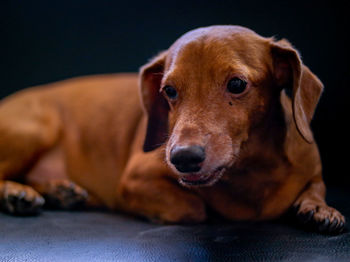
44,41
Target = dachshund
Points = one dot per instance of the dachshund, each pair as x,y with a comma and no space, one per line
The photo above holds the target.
219,121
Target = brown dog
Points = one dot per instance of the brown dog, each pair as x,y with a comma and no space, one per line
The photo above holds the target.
215,128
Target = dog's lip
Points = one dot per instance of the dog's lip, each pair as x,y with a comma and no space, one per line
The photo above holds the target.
198,179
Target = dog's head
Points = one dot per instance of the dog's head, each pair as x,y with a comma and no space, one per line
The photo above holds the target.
205,95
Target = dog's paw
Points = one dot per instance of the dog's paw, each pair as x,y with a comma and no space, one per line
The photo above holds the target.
320,217
18,199
64,194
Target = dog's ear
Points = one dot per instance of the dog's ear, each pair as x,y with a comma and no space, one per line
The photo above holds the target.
289,72
154,104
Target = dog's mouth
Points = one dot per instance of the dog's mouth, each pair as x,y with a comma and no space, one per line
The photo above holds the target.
199,179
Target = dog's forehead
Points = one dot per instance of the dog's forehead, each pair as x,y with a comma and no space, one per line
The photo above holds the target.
217,49
212,32
216,37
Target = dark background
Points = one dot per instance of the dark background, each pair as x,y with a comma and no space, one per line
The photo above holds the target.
44,41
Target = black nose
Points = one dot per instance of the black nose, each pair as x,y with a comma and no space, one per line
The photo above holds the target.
186,159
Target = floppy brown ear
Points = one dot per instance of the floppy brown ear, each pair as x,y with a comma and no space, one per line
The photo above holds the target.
154,104
289,72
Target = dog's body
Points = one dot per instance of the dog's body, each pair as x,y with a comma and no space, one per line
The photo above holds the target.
249,155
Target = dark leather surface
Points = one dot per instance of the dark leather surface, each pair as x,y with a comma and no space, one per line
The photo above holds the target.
100,236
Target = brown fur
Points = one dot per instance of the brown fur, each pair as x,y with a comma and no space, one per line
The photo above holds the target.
94,132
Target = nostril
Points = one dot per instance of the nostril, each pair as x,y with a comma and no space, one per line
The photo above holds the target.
187,155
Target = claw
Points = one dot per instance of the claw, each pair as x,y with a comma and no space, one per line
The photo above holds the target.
340,226
295,208
323,225
21,195
305,217
334,225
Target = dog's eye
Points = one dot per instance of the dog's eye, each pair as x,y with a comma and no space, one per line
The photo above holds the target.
170,92
236,86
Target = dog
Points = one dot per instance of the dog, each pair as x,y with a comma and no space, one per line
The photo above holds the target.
220,120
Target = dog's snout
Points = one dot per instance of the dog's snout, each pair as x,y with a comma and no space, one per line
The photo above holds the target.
186,159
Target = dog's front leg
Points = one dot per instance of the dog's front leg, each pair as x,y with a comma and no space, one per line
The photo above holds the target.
311,208
146,189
